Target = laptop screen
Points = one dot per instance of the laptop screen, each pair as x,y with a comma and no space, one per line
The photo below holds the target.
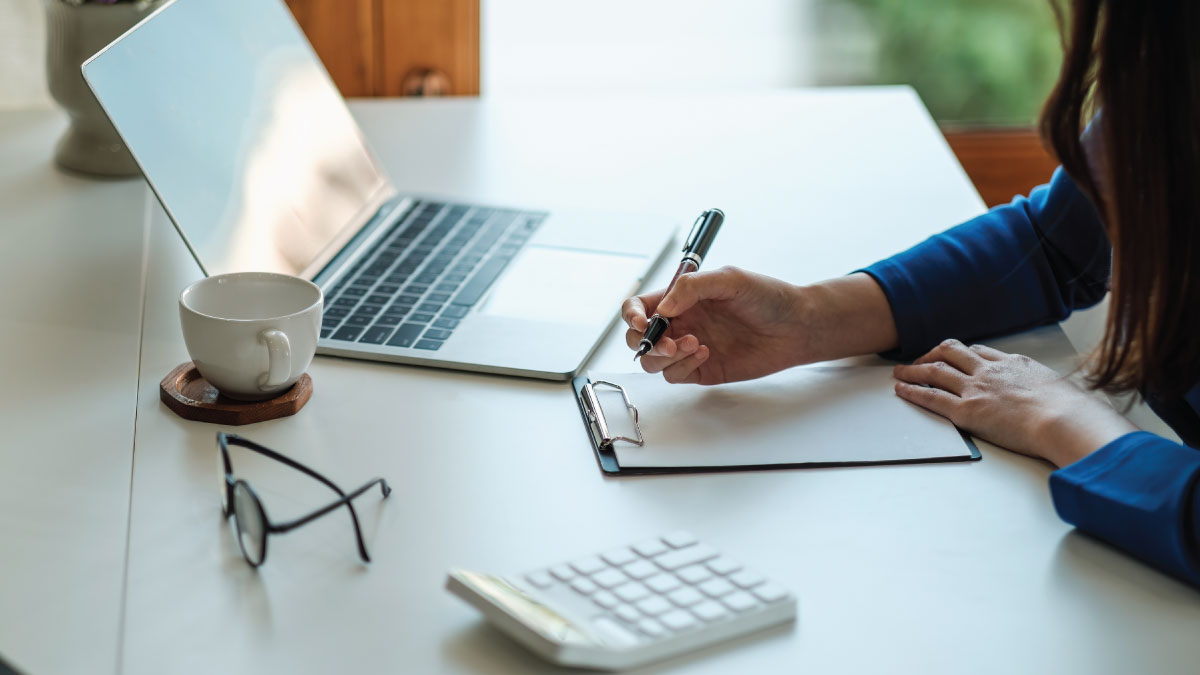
241,134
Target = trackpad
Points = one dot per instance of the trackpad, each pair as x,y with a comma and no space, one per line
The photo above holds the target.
566,285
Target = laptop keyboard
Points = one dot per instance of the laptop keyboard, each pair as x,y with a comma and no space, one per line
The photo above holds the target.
424,275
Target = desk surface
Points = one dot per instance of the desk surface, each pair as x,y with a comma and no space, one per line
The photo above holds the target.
937,568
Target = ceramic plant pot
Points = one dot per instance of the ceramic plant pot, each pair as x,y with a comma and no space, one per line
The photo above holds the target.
75,32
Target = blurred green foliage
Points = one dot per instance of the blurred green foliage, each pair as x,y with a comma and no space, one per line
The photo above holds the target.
972,61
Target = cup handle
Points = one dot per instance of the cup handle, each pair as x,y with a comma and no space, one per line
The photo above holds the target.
279,353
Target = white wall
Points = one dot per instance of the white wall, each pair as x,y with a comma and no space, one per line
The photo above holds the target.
22,54
554,46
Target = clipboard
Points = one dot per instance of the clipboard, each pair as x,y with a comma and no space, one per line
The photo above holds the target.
609,408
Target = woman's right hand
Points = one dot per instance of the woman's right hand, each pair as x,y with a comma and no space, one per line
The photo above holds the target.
729,324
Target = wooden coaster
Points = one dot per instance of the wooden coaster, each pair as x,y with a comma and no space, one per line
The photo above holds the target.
191,397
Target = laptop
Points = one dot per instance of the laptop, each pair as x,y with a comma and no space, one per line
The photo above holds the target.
255,158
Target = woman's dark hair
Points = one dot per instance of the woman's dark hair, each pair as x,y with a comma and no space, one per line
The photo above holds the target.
1137,63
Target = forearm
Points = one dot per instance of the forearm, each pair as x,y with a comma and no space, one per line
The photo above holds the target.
846,316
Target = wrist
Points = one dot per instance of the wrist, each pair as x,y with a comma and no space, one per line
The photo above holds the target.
1066,437
846,316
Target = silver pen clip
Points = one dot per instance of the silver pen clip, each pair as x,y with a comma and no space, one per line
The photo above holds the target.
692,236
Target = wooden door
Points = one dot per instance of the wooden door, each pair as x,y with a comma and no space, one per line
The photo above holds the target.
395,47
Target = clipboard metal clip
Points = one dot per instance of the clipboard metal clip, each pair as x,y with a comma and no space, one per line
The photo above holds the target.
595,415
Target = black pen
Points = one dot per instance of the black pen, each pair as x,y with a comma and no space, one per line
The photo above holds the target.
704,230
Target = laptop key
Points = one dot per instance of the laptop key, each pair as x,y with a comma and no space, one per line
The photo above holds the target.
422,318
478,285
375,335
455,312
359,320
430,307
379,299
431,345
336,312
355,290
389,320
345,301
348,333
437,297
326,332
387,289
416,289
406,335
369,310
447,287
436,334
450,324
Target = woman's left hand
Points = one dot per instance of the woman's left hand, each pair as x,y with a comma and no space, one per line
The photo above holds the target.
1010,400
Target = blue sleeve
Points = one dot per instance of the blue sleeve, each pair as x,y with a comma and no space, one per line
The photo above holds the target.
1137,493
1020,265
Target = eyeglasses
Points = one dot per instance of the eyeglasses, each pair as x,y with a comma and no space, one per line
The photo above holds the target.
250,518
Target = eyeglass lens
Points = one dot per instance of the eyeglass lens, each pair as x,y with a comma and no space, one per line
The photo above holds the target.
251,524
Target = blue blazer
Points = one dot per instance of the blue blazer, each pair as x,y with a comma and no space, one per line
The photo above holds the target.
1029,263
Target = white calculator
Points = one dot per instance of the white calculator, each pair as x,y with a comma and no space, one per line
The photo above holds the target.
630,605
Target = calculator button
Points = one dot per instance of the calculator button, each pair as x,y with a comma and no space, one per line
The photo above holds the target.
539,579
685,556
694,574
613,633
710,610
715,588
724,565
620,556
628,613
605,599
678,620
770,592
746,579
610,577
650,548
662,583
562,572
654,605
588,565
740,601
680,539
641,569
584,585
632,592
651,627
685,597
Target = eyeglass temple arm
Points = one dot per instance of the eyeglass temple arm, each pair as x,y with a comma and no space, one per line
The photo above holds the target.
362,547
224,438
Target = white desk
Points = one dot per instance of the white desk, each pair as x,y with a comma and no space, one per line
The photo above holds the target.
937,568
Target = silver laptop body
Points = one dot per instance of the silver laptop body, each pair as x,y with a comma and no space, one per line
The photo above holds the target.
250,149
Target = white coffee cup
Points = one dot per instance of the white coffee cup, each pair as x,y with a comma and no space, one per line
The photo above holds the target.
251,334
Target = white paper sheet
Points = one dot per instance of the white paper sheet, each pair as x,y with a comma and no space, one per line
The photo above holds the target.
800,416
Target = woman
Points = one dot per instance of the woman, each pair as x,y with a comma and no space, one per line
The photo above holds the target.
1122,213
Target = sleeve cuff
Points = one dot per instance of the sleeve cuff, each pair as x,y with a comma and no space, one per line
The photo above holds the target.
1138,494
900,291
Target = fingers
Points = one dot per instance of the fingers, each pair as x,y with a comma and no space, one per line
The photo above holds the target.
691,288
934,400
687,370
956,354
937,374
633,313
659,360
988,353
664,347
